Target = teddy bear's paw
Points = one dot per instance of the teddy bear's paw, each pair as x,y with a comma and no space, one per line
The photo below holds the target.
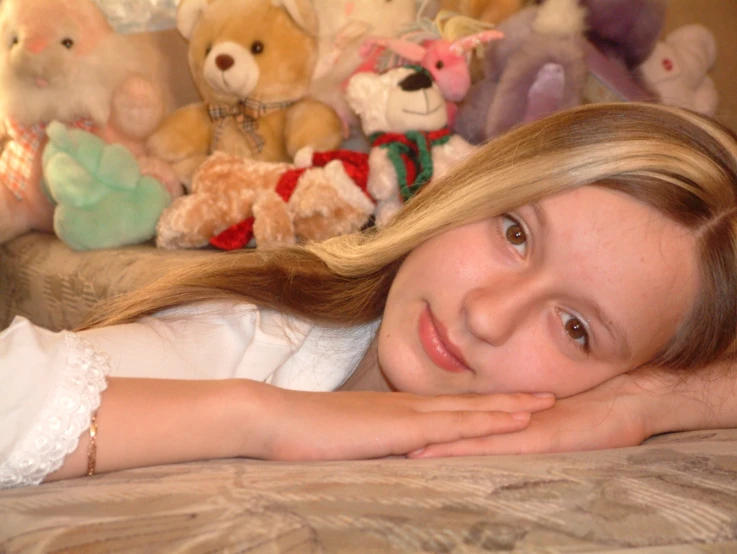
303,157
191,221
136,108
273,223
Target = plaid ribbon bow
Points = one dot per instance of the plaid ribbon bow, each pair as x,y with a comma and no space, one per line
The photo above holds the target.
246,114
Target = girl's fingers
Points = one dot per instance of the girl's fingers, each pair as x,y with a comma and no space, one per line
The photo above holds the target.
452,427
475,446
490,402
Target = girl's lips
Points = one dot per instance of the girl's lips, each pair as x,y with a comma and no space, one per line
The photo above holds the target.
437,346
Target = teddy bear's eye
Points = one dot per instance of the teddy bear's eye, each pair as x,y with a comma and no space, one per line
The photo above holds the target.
208,50
67,43
440,64
257,47
13,41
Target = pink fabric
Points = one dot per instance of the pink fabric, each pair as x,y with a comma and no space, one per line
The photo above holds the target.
19,155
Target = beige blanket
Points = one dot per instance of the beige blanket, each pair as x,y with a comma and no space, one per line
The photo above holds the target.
675,495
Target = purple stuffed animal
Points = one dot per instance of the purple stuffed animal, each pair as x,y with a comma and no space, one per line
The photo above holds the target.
537,69
540,65
625,30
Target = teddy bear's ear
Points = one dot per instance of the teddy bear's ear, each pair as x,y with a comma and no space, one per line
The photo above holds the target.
302,12
188,13
362,87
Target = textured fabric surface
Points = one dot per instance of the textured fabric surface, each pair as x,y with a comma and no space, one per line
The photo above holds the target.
677,494
53,286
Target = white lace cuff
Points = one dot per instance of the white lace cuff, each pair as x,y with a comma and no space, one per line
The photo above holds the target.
65,416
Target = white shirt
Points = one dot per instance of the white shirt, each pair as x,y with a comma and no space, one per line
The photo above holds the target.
51,382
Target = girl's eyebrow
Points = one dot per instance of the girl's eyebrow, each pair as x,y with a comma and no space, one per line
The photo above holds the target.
540,215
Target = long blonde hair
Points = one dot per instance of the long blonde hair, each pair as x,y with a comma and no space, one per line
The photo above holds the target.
680,163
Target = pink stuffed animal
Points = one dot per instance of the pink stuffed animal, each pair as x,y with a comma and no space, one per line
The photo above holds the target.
445,58
63,61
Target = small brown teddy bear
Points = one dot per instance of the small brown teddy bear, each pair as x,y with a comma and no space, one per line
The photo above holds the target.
252,62
235,199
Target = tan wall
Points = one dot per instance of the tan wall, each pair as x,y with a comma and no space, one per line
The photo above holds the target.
721,17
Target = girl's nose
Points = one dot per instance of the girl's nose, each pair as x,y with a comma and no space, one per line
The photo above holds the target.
494,312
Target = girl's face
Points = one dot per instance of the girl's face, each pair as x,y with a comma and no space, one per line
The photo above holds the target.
556,297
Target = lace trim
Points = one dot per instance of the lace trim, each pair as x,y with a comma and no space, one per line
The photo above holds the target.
66,415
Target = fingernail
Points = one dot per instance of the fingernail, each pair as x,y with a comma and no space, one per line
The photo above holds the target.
521,416
543,395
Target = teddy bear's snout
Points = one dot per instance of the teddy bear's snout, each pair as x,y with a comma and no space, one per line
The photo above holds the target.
416,81
224,62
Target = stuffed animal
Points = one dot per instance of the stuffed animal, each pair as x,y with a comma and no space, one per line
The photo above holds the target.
489,11
402,112
323,194
343,24
252,63
442,46
63,61
234,200
677,69
538,68
625,30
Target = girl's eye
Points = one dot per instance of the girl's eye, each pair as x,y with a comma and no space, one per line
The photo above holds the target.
515,234
576,330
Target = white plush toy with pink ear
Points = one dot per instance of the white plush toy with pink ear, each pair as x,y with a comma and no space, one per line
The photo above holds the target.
403,113
677,69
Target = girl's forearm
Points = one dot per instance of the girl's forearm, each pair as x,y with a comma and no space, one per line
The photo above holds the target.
705,399
145,422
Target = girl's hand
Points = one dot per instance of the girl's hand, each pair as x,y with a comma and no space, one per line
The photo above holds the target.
296,425
612,415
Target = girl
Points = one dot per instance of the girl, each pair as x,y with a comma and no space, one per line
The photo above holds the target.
561,260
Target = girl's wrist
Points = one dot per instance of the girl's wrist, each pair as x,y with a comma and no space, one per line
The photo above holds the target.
668,401
251,414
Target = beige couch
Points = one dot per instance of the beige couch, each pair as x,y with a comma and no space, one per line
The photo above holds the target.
677,494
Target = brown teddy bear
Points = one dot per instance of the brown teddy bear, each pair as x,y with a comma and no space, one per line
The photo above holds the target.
252,63
235,199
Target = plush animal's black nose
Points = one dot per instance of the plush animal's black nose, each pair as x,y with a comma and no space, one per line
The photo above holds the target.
224,62
416,81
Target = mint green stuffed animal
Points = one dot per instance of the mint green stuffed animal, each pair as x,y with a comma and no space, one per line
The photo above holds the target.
102,199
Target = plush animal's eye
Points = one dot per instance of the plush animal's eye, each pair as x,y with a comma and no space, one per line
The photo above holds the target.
440,64
13,41
67,43
257,47
208,50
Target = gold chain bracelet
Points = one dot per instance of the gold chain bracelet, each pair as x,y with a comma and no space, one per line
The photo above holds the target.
92,448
